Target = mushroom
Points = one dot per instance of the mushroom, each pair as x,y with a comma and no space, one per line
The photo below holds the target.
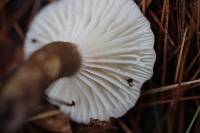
115,42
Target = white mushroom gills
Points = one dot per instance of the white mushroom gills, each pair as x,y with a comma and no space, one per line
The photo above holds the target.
116,44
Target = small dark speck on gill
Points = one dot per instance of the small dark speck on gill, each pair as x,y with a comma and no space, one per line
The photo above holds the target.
34,40
130,82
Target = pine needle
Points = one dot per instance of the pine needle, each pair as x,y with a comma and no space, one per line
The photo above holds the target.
193,120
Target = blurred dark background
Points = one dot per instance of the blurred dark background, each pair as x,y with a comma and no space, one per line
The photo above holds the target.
168,101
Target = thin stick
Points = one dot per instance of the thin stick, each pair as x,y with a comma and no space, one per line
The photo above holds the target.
198,26
180,56
19,31
124,126
165,43
143,6
170,87
193,120
161,27
45,115
193,62
154,103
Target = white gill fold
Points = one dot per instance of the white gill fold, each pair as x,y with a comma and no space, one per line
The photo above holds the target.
106,86
98,91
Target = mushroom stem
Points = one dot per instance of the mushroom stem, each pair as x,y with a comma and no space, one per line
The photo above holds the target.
25,89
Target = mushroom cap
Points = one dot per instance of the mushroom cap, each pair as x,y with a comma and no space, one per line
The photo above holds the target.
116,44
